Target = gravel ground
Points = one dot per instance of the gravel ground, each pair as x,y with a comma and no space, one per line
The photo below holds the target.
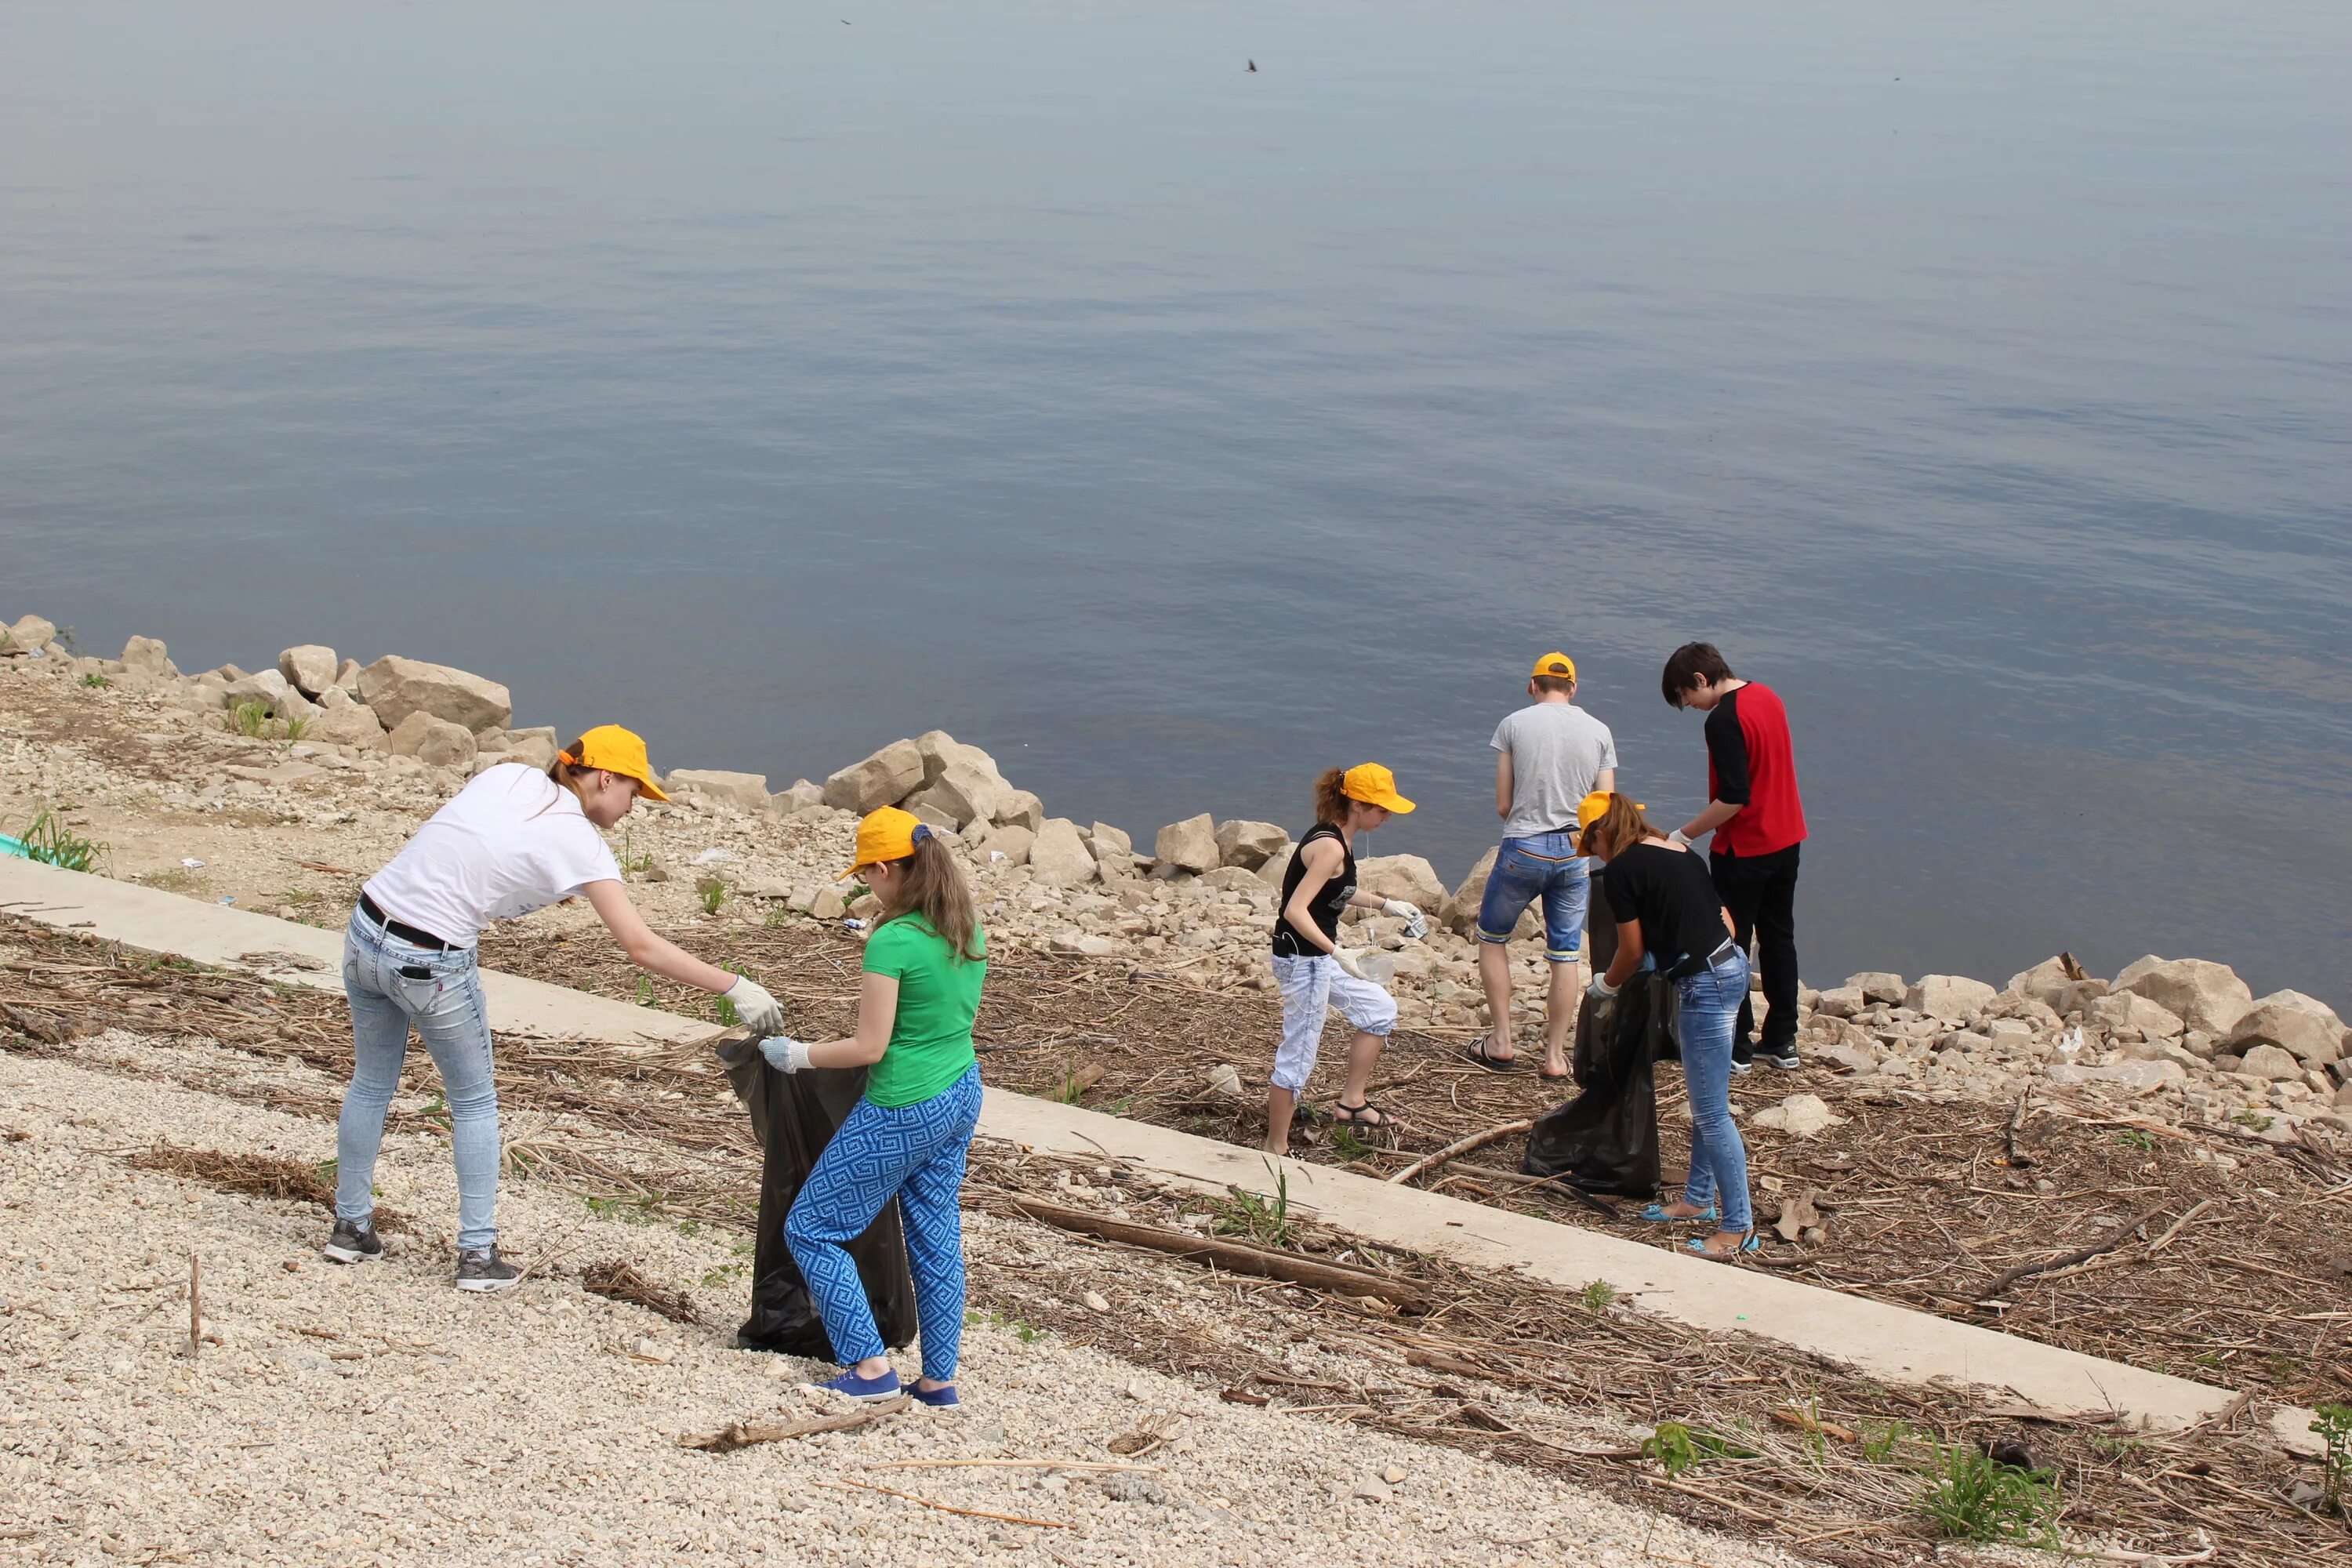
375,1415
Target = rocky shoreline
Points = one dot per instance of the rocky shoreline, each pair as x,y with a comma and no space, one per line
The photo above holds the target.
319,743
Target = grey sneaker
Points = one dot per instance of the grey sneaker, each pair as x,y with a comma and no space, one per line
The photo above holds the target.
354,1241
481,1268
1785,1060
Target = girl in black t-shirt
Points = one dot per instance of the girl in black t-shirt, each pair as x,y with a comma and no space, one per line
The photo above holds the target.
1669,918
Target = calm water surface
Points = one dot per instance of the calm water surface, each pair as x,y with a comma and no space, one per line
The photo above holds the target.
1976,376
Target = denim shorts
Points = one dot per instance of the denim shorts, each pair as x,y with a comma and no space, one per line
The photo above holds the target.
1541,866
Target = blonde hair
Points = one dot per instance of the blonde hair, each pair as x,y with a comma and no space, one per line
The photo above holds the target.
1619,827
934,888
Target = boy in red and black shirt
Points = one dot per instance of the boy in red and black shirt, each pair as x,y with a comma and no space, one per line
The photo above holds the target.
1758,822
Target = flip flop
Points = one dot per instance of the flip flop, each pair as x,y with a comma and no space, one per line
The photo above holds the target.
1476,1052
1554,1077
1364,1115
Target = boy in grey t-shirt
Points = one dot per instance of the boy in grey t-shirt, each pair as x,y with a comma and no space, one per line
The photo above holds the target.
1549,757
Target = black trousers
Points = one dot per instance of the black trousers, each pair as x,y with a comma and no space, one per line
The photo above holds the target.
1760,891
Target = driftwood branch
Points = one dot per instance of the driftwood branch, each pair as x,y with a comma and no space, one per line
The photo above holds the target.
1335,1277
1460,1146
2115,1239
195,1306
743,1434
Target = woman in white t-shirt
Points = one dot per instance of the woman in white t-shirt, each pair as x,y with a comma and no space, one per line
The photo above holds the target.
512,841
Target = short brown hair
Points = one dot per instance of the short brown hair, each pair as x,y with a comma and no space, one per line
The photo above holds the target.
1555,683
1693,664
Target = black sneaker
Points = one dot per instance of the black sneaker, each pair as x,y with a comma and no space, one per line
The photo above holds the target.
354,1241
481,1268
1785,1058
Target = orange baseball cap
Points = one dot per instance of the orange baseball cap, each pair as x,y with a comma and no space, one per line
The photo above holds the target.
1555,664
617,750
887,834
1374,785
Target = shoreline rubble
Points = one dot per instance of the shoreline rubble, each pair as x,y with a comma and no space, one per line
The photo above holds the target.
2183,1041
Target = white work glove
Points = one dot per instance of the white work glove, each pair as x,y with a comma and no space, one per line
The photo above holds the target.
1601,990
1679,839
760,1011
1352,962
1416,924
785,1053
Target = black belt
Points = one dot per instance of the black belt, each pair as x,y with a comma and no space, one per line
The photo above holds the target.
1689,967
400,929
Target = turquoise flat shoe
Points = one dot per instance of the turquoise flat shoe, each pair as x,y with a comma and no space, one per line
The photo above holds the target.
1751,1243
1656,1215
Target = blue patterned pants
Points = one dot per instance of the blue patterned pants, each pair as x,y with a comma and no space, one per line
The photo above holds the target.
915,1153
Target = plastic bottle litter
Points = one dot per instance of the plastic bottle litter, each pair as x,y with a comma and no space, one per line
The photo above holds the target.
2071,1045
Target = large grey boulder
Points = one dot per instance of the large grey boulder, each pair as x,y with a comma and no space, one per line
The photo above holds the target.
396,688
2304,1027
800,796
265,687
345,721
1881,987
885,778
2130,1009
966,790
437,742
534,747
1188,846
2270,1062
2207,995
347,676
1114,850
1249,844
295,709
1950,997
148,657
1060,857
309,668
1406,876
744,792
1460,909
28,635
1009,839
1019,808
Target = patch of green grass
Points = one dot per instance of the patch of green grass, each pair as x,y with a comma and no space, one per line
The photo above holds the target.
2334,1429
725,1272
1883,1445
1261,1219
254,719
1972,1497
645,993
631,863
95,681
776,917
1599,1296
1676,1446
2137,1138
1348,1144
711,892
630,1208
2254,1120
1026,1333
51,842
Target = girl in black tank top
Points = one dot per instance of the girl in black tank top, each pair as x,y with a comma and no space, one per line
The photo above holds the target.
1327,906
1315,973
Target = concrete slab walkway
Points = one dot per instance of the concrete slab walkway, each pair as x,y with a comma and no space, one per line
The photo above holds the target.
1882,1340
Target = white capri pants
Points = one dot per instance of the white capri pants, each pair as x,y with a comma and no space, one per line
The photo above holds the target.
1309,987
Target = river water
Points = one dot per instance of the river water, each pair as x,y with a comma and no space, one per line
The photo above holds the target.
780,381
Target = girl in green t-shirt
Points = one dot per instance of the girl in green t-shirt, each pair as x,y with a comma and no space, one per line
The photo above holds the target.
909,1135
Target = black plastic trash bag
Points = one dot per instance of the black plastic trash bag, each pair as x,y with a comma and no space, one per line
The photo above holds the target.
795,1115
1606,1139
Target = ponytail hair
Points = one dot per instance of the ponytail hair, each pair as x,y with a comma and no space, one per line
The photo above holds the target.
1331,797
934,888
568,774
1620,828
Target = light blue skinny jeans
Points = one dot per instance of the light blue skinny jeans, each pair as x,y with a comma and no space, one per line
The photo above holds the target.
393,983
1719,1163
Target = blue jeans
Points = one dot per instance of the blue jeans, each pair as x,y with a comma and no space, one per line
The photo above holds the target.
1710,1001
393,983
1540,866
915,1153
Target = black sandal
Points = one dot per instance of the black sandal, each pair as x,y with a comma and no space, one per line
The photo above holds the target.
1476,1052
1364,1115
